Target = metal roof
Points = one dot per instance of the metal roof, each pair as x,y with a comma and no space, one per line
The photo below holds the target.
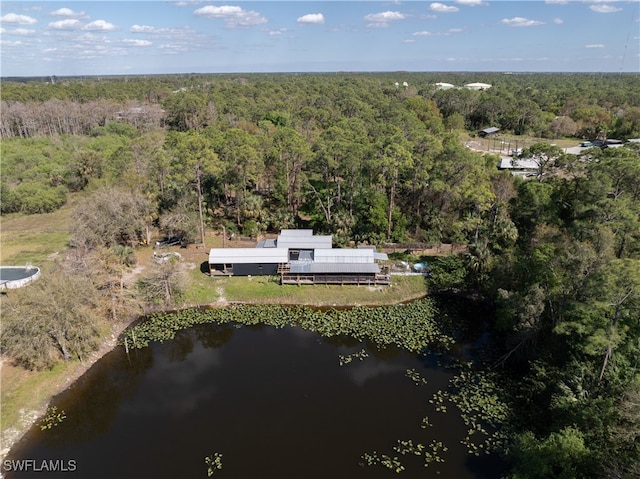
340,255
508,163
377,256
334,268
266,243
248,255
296,232
305,242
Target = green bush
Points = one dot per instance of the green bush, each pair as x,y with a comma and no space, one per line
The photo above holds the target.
32,198
447,272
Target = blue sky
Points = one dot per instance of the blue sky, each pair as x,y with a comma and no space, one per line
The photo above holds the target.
147,37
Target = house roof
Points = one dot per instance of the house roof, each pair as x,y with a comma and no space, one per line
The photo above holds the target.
304,242
337,268
339,255
478,86
488,131
266,243
296,232
377,256
508,163
248,255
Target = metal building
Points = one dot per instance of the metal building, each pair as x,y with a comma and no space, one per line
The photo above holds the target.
301,257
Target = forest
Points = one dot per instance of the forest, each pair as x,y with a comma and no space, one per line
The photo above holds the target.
368,159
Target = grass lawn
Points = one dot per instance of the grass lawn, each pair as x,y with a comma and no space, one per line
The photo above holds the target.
263,289
33,238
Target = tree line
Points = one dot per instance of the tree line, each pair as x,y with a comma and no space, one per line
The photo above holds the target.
523,103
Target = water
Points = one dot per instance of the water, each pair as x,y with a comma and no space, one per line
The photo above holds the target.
14,273
276,403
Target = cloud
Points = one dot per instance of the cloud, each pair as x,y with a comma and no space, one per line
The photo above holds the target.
134,42
556,2
174,48
277,33
520,22
470,3
558,21
14,19
68,24
142,29
442,8
66,12
25,32
382,19
431,34
7,43
233,16
100,26
595,45
317,18
601,8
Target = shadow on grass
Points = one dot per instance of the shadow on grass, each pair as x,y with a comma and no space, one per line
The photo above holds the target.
204,267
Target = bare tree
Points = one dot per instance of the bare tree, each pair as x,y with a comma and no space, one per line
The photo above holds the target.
112,216
163,284
50,320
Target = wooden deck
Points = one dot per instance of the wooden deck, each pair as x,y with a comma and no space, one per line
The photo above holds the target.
336,279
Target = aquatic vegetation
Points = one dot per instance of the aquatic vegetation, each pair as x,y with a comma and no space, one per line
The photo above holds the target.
213,462
52,418
433,453
438,400
387,461
415,377
410,326
478,397
346,359
407,447
425,423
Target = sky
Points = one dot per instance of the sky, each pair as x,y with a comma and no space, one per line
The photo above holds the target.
64,38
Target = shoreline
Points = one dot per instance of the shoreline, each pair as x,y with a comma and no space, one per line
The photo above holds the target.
12,436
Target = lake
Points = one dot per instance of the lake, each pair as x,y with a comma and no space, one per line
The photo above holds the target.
276,403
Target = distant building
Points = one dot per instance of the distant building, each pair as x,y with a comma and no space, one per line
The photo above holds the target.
488,131
300,257
444,86
519,166
477,86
